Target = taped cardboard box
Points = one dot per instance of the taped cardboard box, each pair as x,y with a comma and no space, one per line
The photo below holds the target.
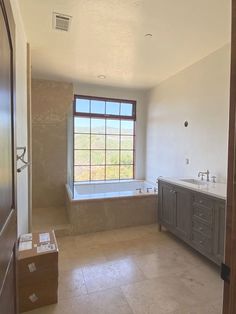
37,270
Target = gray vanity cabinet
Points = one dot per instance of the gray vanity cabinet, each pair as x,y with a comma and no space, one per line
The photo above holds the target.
196,218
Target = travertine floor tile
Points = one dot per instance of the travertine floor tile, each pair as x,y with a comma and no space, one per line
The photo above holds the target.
110,301
134,271
71,283
204,282
111,274
158,296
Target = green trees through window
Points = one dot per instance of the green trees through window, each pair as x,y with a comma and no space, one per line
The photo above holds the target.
104,139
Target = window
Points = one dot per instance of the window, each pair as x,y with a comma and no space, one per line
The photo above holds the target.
104,139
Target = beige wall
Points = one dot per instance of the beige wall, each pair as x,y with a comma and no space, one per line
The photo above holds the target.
199,94
50,104
21,116
125,93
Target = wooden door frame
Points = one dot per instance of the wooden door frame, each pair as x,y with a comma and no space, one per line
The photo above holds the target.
29,133
229,303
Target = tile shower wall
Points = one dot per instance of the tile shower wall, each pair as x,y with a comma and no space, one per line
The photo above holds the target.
50,103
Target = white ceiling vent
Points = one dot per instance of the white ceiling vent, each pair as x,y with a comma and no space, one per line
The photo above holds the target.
61,22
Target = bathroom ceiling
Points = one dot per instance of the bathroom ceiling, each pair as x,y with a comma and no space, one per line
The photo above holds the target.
107,38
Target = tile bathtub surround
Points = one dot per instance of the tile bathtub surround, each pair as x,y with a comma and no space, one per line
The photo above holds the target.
134,271
106,214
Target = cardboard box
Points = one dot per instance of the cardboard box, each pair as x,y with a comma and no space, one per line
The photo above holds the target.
37,264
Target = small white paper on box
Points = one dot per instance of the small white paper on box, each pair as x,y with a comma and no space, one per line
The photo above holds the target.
23,246
26,237
32,267
46,248
33,298
44,237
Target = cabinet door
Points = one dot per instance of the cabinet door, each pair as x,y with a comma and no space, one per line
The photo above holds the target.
182,218
219,234
167,204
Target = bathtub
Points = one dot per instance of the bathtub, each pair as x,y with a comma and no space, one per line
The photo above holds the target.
110,205
112,189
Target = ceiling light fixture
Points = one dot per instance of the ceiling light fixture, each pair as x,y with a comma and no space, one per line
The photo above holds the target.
148,35
102,77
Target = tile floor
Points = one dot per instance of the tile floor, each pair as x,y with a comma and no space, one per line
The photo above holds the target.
134,271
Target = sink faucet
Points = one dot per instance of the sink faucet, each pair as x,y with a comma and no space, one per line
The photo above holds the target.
202,173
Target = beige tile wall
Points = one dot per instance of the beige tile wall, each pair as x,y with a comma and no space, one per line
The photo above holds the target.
50,104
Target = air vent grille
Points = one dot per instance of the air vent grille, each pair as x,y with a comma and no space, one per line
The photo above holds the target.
61,22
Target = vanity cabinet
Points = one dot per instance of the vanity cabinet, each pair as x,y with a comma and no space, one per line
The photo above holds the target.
196,218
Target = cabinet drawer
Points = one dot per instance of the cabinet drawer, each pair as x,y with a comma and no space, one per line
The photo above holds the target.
201,200
202,242
201,227
204,213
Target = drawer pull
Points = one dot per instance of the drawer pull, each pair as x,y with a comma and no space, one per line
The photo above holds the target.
201,242
200,201
200,229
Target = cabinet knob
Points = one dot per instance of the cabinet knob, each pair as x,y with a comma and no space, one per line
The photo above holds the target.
201,242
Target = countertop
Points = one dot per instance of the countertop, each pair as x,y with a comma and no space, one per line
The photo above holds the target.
218,190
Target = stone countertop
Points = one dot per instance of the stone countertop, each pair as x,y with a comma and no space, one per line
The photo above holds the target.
218,190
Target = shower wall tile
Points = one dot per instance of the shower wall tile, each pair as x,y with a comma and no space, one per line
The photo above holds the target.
50,104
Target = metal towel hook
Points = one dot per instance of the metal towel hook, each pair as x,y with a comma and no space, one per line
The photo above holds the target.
21,157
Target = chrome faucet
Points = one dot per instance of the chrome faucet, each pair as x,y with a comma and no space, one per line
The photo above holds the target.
201,174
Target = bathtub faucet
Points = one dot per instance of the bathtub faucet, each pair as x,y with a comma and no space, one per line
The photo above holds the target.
140,190
148,189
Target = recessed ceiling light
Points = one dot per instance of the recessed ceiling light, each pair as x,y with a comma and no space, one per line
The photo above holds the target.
102,77
148,35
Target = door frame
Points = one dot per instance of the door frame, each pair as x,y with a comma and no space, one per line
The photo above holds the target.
6,8
29,133
229,301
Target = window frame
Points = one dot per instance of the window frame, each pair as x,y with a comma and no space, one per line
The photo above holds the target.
106,117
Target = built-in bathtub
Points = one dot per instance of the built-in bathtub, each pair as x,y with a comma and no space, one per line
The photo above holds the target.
111,205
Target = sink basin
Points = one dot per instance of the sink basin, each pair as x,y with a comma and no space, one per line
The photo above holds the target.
194,181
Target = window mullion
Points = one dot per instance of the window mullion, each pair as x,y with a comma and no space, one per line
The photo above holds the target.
105,168
120,144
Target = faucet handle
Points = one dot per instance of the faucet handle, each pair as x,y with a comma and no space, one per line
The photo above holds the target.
202,175
213,179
